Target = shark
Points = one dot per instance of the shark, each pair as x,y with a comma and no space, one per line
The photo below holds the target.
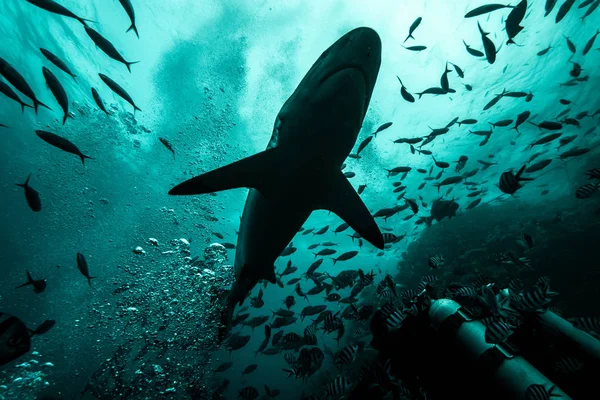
300,171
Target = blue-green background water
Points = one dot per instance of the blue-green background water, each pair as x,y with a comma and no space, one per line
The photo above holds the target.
211,79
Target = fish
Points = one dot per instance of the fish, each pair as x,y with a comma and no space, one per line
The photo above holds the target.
571,45
223,367
563,10
548,125
538,166
590,42
61,143
458,70
99,101
31,195
404,92
15,337
8,92
485,9
593,173
364,144
39,285
19,83
82,265
444,79
502,123
510,183
449,181
278,202
128,7
58,91
498,331
474,204
544,51
115,87
346,256
412,28
58,62
514,19
55,8
383,127
168,145
436,261
488,45
521,118
108,48
468,121
573,153
546,139
591,9
586,191
492,102
415,48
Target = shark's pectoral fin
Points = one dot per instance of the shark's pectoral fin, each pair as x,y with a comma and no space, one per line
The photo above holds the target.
250,172
341,198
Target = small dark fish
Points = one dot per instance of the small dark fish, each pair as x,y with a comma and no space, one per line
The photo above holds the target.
548,125
119,91
131,14
573,153
502,123
415,48
449,181
488,45
58,62
521,118
32,196
61,143
107,47
82,265
587,190
224,367
345,256
474,204
492,102
468,87
436,261
469,121
249,369
488,8
514,19
38,285
546,139
58,91
591,9
571,45
538,166
55,8
404,92
8,92
99,101
382,128
564,9
444,79
19,83
168,145
364,144
590,42
544,52
459,71
412,28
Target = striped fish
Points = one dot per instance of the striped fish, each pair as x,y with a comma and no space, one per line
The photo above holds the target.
498,331
537,299
272,392
332,322
587,190
394,319
310,340
436,261
510,183
409,295
389,238
590,325
539,392
338,387
290,359
347,355
515,287
248,393
310,330
593,173
466,291
568,365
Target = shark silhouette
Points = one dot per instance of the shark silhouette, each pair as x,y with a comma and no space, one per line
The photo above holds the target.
300,171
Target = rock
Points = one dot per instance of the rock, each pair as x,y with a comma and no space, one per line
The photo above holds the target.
139,250
153,242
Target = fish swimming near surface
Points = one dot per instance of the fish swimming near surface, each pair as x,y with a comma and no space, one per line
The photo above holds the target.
61,143
39,285
8,92
168,145
82,265
31,195
55,8
485,9
108,48
58,62
58,91
99,101
17,80
15,337
115,87
488,45
128,7
412,28
300,171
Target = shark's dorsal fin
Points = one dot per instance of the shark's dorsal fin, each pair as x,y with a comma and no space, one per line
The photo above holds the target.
250,172
341,199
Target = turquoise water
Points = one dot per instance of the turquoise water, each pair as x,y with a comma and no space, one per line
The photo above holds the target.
211,80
